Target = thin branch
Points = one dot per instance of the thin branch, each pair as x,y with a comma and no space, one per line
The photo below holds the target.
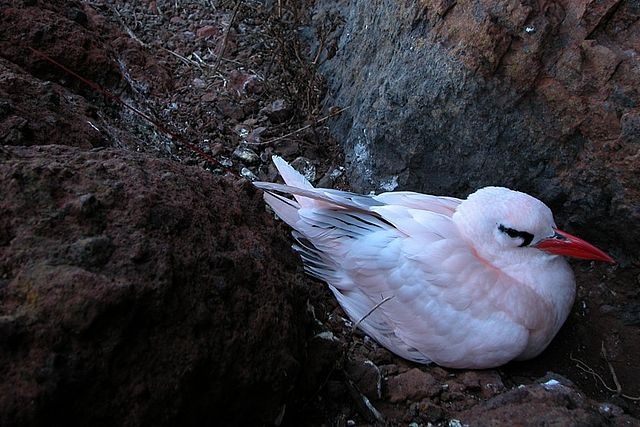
127,29
374,308
327,117
187,61
226,36
603,352
586,368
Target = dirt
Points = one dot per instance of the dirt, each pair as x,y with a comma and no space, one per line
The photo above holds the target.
226,85
105,319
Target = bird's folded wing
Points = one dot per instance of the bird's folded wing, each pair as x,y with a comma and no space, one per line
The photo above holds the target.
322,197
439,297
438,204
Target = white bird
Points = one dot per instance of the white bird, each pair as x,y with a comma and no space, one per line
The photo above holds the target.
469,283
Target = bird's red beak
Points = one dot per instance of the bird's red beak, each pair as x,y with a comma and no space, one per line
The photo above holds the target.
563,243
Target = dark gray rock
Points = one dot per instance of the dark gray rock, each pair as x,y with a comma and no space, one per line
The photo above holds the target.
448,97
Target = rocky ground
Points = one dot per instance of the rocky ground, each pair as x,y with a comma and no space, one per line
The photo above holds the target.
143,283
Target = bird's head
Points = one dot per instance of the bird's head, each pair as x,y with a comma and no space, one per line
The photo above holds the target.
504,222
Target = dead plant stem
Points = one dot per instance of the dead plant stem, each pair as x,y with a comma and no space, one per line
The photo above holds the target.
280,138
374,308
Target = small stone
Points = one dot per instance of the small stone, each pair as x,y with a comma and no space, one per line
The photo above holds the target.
77,16
470,380
247,174
216,148
326,335
366,375
240,81
88,203
208,31
551,384
429,411
254,135
610,410
246,155
91,251
305,167
278,111
225,162
242,130
198,83
210,97
411,385
330,177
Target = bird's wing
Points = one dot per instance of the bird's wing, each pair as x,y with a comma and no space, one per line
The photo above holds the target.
446,301
322,197
399,264
440,300
438,204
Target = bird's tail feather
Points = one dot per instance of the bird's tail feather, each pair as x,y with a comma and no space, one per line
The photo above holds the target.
293,178
286,209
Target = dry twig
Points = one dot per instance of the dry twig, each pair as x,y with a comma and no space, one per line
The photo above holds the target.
187,61
327,117
226,36
374,308
127,29
586,368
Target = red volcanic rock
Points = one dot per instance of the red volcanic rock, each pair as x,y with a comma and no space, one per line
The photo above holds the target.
137,291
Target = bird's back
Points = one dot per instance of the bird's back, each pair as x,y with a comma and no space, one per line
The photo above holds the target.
399,266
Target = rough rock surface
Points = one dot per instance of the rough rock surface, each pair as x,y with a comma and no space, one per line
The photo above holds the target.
447,97
140,291
551,401
137,291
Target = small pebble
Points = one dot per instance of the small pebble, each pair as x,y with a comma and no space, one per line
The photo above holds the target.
198,83
247,174
305,167
227,163
551,384
246,155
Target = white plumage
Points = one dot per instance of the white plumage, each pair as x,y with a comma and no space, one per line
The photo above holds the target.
469,283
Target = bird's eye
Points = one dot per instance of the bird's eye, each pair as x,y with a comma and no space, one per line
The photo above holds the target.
526,237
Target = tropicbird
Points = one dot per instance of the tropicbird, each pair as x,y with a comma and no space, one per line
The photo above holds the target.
471,283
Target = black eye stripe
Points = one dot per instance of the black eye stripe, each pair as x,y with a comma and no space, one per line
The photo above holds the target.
527,238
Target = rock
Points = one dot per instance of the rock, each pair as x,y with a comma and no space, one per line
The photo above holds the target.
542,404
330,177
243,82
413,385
121,306
247,174
452,97
366,376
278,111
305,167
208,31
488,383
446,97
246,155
